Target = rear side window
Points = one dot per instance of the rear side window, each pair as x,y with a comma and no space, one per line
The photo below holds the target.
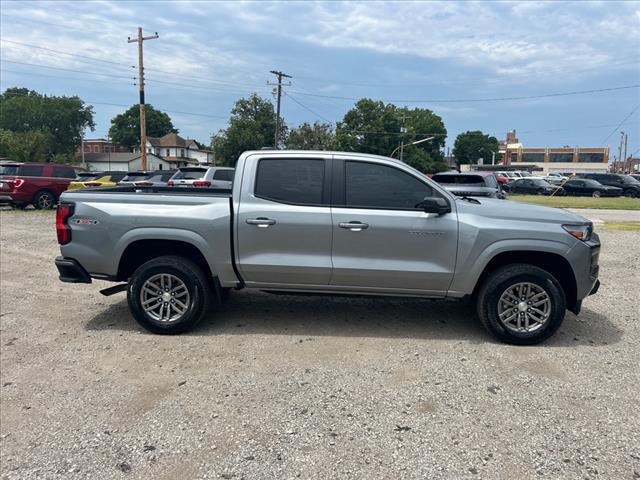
64,172
291,181
30,171
223,175
190,174
370,185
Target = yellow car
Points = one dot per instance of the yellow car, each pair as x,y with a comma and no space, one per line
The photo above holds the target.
97,179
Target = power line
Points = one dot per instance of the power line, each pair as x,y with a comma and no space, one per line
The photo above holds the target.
620,124
61,52
67,69
472,100
159,107
307,108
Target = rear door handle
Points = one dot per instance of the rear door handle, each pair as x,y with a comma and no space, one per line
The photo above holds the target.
354,226
261,222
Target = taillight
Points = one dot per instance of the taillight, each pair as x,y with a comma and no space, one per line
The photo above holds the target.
63,230
201,183
170,183
143,184
18,182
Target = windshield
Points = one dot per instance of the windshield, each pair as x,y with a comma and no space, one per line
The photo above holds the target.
190,174
629,180
135,177
8,169
87,177
459,179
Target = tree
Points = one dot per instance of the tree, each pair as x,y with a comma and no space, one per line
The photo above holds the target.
31,146
375,127
471,146
318,136
63,119
252,126
125,127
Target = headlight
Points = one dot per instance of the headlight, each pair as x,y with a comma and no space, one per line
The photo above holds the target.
581,232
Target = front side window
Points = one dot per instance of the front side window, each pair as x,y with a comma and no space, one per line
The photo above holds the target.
370,185
297,181
64,172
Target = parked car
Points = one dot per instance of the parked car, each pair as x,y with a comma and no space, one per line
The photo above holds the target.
590,188
629,185
499,176
474,184
332,223
131,177
555,178
40,184
214,177
156,179
508,174
532,185
103,179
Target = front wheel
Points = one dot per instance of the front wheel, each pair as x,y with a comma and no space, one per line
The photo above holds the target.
168,295
521,304
596,194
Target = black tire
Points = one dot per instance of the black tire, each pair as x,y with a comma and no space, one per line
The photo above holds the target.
631,193
44,200
193,278
499,281
596,194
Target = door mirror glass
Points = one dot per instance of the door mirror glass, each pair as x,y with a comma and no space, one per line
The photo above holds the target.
434,205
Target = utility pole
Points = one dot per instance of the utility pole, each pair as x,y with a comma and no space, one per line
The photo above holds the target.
403,130
143,126
280,76
627,166
620,161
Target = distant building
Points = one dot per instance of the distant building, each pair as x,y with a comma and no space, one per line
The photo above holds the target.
99,145
175,148
129,161
553,159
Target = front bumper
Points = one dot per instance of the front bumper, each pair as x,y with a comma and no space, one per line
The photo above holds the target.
71,271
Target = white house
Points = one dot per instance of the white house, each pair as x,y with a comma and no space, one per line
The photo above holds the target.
175,148
130,161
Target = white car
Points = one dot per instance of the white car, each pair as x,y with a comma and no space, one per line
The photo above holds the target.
213,177
555,178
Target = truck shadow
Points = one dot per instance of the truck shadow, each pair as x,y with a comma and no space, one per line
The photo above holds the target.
256,313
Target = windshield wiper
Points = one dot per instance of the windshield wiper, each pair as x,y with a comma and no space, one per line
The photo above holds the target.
469,199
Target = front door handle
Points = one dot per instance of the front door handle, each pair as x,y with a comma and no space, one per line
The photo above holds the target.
354,226
261,222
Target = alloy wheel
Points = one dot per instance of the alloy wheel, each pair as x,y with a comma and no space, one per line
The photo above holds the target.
524,307
165,298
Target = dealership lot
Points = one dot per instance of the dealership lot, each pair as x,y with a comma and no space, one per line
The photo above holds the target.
309,387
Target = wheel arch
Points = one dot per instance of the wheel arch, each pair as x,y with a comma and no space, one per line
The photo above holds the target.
141,251
554,263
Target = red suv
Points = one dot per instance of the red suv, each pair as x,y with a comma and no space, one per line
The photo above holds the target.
39,184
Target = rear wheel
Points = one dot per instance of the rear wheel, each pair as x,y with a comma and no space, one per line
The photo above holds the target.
521,304
44,200
168,295
631,193
596,194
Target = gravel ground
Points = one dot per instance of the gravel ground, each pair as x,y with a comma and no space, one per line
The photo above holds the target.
296,387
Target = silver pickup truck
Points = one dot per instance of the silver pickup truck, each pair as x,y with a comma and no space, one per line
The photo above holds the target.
306,222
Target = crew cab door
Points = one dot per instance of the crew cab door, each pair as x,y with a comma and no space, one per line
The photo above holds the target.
381,241
284,221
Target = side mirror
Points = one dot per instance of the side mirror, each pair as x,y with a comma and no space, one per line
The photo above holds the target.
434,205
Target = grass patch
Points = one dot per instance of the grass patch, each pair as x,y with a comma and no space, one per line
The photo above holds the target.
622,203
627,226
